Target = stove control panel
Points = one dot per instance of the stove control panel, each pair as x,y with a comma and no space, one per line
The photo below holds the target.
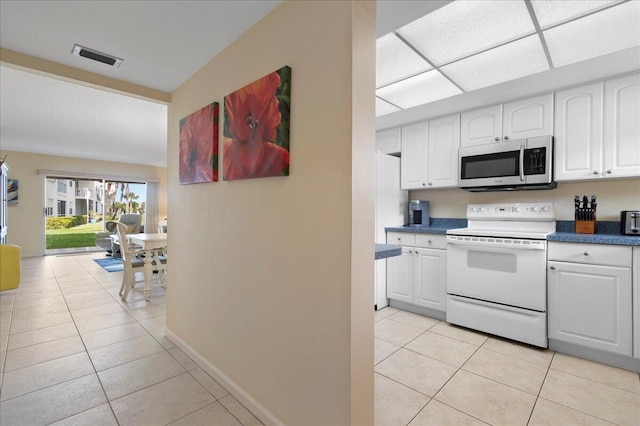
512,211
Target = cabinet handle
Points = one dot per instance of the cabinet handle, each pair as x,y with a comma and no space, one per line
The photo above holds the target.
398,238
497,139
586,253
506,138
553,268
595,172
429,241
609,171
430,183
410,251
424,184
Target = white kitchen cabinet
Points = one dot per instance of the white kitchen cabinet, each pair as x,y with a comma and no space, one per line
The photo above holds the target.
526,118
578,133
444,141
622,127
590,304
481,126
418,276
400,276
414,161
636,302
597,130
388,141
430,278
430,154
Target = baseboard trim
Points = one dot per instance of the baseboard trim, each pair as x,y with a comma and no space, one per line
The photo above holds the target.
417,309
264,415
597,355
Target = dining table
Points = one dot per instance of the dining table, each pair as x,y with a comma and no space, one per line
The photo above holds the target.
149,243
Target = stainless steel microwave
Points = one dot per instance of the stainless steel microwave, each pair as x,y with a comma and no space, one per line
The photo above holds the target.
508,166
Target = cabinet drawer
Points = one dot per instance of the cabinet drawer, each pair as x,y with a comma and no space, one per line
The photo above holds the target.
431,241
594,254
401,239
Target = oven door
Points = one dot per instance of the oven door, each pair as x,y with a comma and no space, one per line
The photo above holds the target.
501,270
492,165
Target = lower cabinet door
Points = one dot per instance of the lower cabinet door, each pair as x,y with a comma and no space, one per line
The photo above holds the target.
430,278
590,305
400,276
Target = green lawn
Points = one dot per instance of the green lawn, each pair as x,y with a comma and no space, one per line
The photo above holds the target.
79,236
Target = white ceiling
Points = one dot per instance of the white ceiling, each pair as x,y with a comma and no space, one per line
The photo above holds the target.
468,45
162,43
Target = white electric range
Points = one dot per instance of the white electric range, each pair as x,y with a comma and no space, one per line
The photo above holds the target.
496,270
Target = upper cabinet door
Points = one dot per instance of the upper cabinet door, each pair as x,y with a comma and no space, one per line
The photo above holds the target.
481,126
578,133
388,140
413,163
622,127
444,141
528,118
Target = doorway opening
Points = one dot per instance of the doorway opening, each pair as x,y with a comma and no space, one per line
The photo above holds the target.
77,210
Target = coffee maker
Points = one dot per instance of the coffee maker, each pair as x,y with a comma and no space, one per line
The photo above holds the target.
418,213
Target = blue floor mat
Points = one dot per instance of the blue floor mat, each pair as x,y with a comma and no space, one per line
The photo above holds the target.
110,264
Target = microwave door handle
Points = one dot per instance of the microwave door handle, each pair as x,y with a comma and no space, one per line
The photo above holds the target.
522,163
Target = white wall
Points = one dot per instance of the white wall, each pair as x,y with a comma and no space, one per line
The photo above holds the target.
25,221
272,286
613,196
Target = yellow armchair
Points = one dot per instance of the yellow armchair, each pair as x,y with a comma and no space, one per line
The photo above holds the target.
9,267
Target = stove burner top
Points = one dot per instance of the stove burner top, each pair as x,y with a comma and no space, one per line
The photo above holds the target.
518,220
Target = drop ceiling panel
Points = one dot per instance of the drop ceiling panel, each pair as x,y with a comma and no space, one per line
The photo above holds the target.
421,89
611,30
553,12
508,62
395,60
383,107
465,27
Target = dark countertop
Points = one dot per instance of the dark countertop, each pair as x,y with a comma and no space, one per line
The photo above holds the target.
384,251
607,232
437,226
616,239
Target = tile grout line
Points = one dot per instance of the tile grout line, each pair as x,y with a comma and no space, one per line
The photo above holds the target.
540,390
146,387
95,371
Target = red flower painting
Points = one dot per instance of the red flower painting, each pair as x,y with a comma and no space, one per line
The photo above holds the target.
199,146
256,142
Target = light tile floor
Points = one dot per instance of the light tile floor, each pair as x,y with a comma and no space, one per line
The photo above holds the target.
73,353
428,372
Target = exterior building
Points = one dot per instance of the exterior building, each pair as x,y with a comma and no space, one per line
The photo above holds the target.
71,197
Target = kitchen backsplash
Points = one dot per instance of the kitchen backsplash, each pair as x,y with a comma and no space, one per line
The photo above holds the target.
613,196
602,227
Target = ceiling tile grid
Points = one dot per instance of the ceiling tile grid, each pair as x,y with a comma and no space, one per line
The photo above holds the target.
469,45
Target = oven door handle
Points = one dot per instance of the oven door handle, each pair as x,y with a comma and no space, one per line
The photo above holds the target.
498,243
522,163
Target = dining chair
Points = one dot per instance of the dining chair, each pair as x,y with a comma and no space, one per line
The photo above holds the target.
132,263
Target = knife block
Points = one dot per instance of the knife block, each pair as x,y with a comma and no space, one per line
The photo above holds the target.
585,226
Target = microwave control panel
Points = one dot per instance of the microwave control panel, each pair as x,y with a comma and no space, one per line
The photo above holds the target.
535,161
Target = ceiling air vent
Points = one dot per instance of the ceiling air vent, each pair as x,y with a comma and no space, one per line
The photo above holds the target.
85,52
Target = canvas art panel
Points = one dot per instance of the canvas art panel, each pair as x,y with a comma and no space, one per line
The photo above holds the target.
12,191
198,149
256,128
